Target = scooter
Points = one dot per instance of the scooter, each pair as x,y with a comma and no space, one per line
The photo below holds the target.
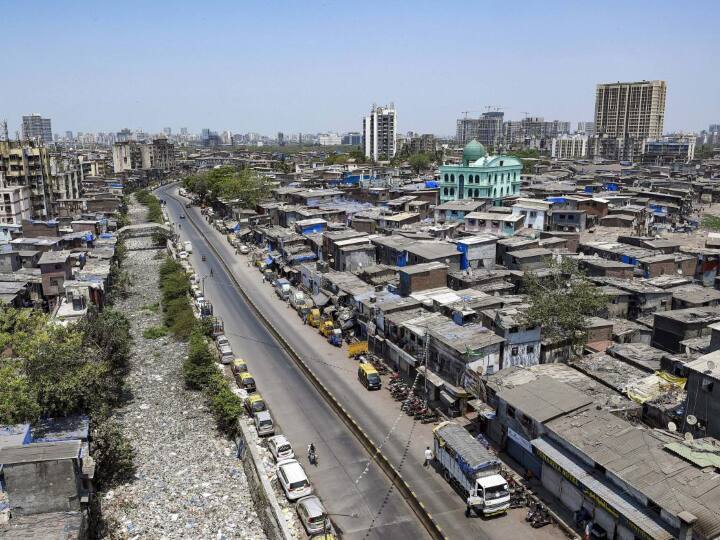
312,457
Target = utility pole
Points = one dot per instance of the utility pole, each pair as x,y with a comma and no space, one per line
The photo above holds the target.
426,355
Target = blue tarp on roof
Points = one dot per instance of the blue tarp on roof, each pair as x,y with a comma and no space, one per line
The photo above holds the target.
556,199
431,184
268,260
89,237
105,236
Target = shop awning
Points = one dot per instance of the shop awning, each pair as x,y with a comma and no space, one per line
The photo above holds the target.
432,378
446,398
320,299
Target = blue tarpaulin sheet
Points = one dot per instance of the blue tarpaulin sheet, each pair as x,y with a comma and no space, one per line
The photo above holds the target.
268,260
431,184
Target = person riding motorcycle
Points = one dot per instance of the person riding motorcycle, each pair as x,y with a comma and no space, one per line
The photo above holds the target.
312,455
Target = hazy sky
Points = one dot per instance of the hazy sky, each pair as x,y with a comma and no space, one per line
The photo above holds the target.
309,66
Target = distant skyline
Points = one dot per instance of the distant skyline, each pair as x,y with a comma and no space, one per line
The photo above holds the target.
319,66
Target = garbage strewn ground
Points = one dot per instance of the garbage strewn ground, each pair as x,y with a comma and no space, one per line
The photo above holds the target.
189,483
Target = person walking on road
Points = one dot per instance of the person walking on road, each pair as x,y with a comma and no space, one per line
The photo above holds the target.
428,456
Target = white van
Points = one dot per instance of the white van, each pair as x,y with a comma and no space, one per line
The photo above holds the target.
188,247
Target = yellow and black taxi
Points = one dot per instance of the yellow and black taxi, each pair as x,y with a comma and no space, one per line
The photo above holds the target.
246,382
254,403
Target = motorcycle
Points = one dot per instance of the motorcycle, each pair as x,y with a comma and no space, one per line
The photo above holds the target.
312,457
538,515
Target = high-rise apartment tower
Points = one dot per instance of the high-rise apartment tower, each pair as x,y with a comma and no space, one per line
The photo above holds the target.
379,130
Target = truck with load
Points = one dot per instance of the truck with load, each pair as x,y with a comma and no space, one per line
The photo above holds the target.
472,469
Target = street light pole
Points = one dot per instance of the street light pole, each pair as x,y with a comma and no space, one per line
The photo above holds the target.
327,523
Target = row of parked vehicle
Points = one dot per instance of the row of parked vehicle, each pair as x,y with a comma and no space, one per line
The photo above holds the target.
290,474
367,373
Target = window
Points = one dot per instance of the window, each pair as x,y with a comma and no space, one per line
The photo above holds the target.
562,216
511,411
446,177
501,163
445,191
452,191
452,177
461,178
514,351
533,214
530,349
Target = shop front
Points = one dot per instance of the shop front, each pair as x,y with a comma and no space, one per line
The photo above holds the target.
576,487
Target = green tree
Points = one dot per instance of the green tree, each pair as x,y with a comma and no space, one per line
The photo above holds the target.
419,162
358,155
247,186
112,453
17,401
528,158
561,301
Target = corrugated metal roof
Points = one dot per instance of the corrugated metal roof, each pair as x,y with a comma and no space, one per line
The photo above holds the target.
701,452
40,452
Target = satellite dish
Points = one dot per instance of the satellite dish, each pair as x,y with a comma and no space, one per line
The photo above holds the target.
689,437
691,419
710,365
672,427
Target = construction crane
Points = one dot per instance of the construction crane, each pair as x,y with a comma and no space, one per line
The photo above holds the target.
526,113
465,113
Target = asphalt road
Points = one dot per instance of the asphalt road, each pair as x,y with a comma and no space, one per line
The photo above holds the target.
303,416
402,440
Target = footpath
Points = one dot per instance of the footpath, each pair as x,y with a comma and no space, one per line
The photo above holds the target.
188,482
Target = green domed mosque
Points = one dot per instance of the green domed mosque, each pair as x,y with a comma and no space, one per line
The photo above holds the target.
480,176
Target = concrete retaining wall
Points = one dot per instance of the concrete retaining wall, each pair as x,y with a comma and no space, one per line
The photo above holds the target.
260,488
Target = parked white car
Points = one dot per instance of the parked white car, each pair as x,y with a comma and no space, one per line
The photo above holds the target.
313,515
280,448
183,255
293,479
221,339
244,249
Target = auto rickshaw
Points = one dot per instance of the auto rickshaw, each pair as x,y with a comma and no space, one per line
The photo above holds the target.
335,337
326,328
313,317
